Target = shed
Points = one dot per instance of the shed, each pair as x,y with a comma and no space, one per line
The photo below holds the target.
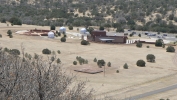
51,35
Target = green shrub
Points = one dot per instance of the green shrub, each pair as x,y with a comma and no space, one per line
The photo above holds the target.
163,46
6,49
117,71
101,28
58,61
101,63
139,44
140,63
147,46
11,36
9,32
70,27
52,27
139,35
84,42
14,52
15,21
150,58
63,39
125,66
159,43
170,49
109,64
0,36
95,60
46,51
75,63
58,52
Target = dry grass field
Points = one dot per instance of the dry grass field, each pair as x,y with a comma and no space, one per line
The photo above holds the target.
117,54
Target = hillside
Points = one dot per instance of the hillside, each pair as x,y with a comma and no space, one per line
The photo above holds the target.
146,15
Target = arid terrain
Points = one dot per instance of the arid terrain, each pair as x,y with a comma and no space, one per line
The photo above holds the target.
137,79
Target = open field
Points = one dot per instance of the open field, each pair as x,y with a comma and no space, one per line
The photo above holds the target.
117,54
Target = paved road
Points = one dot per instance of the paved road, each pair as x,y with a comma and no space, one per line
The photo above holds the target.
152,93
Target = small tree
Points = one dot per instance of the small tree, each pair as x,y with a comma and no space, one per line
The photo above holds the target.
101,28
46,51
139,44
139,35
75,63
95,60
117,71
159,43
52,27
125,66
58,52
58,61
63,39
9,32
70,27
101,62
84,42
163,46
150,58
109,64
140,63
170,49
11,36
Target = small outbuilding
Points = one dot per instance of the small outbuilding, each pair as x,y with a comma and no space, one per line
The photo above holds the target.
62,29
51,34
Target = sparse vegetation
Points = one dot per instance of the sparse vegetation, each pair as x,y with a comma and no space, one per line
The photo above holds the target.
46,51
150,58
170,49
36,76
140,63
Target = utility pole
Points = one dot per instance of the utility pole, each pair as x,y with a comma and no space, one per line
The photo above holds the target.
104,71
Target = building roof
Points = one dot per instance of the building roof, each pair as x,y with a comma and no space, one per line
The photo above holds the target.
114,34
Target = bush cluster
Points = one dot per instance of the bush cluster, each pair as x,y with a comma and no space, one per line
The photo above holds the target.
12,51
81,60
9,33
101,63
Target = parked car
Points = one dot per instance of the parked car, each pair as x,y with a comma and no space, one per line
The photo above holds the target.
164,34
